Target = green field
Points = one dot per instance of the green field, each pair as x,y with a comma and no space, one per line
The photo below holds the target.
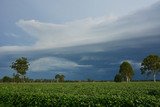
100,94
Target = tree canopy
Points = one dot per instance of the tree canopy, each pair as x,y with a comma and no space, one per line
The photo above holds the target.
126,71
21,65
151,65
59,78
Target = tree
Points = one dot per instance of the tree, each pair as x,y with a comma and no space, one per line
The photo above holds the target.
151,65
61,79
6,79
21,65
16,78
89,80
126,71
118,78
57,77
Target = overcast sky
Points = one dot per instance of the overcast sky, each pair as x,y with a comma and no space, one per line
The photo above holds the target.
80,39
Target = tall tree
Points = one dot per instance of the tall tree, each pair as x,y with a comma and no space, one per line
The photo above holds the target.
126,71
21,65
151,65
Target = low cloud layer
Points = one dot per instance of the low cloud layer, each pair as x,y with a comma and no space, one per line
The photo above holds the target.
54,63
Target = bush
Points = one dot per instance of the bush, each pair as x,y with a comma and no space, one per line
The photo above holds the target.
118,78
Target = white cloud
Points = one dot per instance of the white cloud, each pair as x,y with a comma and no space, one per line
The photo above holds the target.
73,33
86,58
53,63
90,30
92,58
13,48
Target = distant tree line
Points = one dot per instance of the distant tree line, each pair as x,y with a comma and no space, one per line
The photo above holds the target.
150,66
15,79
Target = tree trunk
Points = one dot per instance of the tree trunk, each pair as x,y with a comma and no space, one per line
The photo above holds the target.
127,78
154,76
57,80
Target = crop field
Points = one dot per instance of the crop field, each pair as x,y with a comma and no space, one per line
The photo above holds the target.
80,94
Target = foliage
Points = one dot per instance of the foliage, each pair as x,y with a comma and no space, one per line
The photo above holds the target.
154,92
99,94
59,78
21,65
89,80
118,78
6,79
16,78
126,71
151,65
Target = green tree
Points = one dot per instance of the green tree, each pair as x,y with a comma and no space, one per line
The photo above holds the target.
118,78
57,77
6,79
126,71
17,78
61,79
21,65
151,65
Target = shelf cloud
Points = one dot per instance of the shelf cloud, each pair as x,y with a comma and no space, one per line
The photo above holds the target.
90,31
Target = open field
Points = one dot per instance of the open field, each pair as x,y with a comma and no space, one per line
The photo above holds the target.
80,94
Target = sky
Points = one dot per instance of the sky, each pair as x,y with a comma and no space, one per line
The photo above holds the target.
80,39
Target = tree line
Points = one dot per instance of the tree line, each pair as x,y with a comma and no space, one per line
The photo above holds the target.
150,66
